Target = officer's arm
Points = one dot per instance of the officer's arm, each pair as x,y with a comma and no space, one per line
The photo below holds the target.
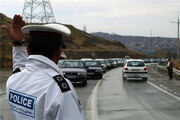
77,100
19,58
69,107
17,36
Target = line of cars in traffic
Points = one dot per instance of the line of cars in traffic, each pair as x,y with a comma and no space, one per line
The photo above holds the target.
79,71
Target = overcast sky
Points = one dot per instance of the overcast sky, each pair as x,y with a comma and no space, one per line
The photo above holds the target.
124,17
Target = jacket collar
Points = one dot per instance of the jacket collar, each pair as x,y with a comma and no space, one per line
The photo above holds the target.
45,61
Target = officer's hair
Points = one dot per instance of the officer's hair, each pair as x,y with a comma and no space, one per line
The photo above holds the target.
44,44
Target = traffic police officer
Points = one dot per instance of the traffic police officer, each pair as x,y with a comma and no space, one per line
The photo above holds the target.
37,90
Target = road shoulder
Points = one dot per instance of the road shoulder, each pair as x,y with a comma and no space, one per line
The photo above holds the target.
163,81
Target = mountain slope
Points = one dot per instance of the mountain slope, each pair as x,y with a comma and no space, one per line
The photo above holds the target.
5,44
146,45
79,45
83,41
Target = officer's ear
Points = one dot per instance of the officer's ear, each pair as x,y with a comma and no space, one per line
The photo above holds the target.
28,49
57,55
60,51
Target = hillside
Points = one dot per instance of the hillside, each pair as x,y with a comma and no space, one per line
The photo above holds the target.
83,44
5,44
79,45
146,45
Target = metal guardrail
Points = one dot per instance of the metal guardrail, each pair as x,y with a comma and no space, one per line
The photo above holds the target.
175,71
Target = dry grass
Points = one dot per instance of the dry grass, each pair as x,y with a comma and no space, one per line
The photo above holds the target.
176,64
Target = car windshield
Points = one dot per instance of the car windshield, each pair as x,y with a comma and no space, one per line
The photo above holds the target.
60,63
101,61
135,64
72,64
92,64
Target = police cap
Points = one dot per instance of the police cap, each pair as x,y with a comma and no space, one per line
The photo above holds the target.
48,32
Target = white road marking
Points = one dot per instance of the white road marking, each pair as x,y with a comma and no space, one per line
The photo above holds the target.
94,102
170,94
94,110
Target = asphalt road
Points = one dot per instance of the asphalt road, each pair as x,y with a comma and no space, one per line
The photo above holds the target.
114,99
134,100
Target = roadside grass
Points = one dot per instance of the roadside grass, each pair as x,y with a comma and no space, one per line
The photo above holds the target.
176,64
5,71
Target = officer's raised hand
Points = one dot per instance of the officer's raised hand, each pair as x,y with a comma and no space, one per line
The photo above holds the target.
14,32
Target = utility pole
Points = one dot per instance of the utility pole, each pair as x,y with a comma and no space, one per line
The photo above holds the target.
151,44
151,41
84,28
177,41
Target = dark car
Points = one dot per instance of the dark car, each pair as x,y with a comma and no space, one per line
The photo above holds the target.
103,64
108,64
94,69
75,71
113,63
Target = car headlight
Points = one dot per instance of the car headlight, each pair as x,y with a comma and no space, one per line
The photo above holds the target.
98,70
103,65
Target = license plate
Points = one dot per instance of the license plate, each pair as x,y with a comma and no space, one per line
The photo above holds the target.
134,75
71,77
135,70
90,73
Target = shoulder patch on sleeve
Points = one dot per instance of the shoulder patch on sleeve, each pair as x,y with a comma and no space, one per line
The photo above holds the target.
17,70
62,83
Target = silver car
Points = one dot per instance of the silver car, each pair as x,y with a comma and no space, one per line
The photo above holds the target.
75,71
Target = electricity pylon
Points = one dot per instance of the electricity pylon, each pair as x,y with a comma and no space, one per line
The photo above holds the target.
38,11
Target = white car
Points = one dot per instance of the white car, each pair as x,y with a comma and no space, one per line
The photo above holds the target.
84,59
135,69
